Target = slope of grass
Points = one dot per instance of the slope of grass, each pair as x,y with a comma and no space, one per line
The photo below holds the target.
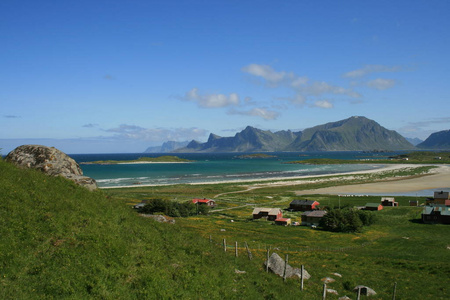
59,241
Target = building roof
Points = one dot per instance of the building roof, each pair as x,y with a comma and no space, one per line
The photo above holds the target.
270,211
314,213
303,202
282,220
201,200
390,199
372,204
444,210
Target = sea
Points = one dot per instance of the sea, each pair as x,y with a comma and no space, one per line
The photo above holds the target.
217,167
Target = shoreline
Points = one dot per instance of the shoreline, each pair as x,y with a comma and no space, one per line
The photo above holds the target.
441,171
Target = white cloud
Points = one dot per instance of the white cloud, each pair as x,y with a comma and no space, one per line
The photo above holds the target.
369,69
212,100
381,84
257,112
133,132
323,104
305,90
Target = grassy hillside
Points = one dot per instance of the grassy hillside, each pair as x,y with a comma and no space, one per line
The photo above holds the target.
60,241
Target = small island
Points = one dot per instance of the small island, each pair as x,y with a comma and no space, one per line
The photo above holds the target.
140,160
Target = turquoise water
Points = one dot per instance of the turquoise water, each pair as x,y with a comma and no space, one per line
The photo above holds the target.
214,167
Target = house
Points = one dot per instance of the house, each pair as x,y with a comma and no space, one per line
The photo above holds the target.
303,205
413,202
440,197
388,201
313,217
436,214
283,221
373,206
204,201
270,214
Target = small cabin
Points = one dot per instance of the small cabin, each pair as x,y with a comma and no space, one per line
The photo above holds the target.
270,214
303,205
283,221
439,214
313,217
204,201
373,206
388,201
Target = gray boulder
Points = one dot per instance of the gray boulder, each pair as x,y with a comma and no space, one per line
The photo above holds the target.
51,161
277,265
366,291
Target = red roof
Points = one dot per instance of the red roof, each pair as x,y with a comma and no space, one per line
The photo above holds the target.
282,220
201,200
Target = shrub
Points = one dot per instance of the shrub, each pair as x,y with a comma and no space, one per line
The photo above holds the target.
173,209
346,220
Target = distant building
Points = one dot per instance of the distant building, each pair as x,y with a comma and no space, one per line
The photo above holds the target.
312,217
204,201
388,201
270,214
373,206
283,221
413,202
436,214
303,205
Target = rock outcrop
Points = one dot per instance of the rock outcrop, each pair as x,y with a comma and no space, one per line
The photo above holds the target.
51,161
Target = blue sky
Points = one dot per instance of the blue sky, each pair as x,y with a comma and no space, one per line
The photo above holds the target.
119,76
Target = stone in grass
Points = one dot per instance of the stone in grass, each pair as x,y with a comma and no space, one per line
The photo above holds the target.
328,280
276,265
344,298
337,275
239,272
366,291
331,291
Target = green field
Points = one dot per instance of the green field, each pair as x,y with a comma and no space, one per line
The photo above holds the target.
61,241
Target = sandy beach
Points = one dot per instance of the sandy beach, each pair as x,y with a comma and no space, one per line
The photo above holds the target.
439,179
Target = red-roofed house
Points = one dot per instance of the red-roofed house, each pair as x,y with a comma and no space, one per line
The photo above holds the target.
204,201
283,221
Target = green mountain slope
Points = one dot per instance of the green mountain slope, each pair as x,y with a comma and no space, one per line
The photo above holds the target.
437,140
59,240
355,133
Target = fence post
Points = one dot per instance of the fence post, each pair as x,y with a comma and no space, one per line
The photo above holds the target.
236,249
301,278
210,239
224,245
358,296
393,293
285,267
267,261
324,294
248,251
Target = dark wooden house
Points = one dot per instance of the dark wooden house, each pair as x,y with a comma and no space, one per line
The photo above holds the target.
303,205
436,214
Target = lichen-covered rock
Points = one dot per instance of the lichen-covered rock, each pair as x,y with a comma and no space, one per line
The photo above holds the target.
276,265
51,161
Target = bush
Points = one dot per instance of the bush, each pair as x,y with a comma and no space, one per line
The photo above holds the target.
346,220
173,209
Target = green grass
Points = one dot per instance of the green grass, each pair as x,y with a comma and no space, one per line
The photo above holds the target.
60,241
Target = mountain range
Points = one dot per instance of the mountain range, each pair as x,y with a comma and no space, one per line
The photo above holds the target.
353,134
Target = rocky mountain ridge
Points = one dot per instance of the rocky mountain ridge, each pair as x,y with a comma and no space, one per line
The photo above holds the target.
352,134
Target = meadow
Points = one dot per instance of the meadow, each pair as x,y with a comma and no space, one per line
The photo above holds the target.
61,241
